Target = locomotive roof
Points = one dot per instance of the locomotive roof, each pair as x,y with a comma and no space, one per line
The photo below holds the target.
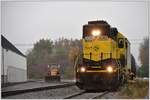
98,22
124,37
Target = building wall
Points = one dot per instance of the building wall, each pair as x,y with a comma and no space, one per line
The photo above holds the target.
15,66
16,74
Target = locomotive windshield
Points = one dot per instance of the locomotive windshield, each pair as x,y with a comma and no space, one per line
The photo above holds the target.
95,29
55,65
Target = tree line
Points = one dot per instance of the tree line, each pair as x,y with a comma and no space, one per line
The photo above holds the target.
64,51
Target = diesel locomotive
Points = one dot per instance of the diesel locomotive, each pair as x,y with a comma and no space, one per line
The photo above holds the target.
105,60
53,73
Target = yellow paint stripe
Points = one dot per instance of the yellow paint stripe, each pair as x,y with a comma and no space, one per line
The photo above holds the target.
97,71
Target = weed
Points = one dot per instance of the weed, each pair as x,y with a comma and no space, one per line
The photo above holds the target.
139,89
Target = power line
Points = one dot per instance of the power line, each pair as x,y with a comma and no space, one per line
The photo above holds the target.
23,44
77,0
32,44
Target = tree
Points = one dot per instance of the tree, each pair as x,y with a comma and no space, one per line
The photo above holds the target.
39,58
144,58
73,53
144,52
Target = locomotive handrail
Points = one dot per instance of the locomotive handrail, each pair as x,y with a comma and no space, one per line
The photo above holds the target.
103,54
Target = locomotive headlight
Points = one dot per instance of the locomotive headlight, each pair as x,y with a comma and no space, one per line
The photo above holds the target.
82,69
109,69
96,32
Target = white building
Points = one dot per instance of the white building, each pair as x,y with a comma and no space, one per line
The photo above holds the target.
13,63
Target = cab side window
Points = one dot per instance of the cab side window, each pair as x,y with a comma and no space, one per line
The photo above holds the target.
121,43
126,45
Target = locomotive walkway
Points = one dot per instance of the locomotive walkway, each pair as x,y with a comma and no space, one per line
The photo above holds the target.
33,86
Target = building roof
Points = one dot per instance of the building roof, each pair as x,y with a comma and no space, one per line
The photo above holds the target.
8,45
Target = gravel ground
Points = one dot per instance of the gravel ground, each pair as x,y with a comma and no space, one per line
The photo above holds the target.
47,94
116,95
87,96
61,93
111,95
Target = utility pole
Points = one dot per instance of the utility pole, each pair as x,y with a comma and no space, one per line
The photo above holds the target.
3,74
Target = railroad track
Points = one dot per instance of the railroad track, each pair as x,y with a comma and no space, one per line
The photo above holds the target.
75,94
86,95
100,95
15,92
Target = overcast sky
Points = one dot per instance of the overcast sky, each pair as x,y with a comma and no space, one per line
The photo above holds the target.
27,22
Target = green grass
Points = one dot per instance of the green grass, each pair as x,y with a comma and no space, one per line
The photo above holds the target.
137,90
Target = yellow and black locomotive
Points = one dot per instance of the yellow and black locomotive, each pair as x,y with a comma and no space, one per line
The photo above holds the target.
105,61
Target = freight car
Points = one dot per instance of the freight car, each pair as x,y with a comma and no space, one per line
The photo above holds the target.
105,61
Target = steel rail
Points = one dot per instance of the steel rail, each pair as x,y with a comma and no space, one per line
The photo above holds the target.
101,95
83,92
75,94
